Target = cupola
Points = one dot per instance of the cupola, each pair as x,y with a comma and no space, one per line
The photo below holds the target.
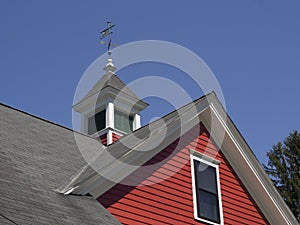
110,109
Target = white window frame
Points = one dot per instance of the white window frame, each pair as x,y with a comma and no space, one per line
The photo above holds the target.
210,162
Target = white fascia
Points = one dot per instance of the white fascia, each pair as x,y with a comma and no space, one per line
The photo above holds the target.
249,170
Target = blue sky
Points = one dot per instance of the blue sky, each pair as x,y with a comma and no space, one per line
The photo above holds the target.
252,47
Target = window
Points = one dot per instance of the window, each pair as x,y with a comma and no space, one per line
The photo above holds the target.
97,122
123,122
206,190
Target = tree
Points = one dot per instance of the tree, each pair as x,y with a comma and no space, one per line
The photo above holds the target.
283,169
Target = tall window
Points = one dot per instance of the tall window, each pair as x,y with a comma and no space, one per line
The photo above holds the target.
123,122
97,122
207,202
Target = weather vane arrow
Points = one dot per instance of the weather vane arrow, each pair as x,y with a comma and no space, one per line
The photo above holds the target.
106,33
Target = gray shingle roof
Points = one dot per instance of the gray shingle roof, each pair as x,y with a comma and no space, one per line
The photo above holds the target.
112,81
37,156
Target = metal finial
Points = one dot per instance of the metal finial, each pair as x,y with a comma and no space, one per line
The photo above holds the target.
106,33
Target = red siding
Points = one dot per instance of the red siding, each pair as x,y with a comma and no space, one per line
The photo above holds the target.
170,201
115,137
103,138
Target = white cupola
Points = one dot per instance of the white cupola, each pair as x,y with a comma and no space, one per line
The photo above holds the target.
110,109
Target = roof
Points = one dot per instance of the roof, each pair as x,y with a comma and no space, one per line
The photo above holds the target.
92,178
36,157
110,80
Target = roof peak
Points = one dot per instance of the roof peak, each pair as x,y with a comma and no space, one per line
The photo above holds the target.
110,80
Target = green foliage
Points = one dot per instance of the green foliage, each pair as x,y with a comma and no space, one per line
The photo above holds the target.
283,169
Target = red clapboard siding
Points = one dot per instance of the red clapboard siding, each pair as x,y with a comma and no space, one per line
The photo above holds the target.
103,138
168,200
115,137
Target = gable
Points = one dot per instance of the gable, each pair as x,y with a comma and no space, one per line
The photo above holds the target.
92,178
164,194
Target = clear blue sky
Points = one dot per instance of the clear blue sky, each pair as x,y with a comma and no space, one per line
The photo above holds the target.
253,48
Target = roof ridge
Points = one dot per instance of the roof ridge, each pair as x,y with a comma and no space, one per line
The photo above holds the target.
119,79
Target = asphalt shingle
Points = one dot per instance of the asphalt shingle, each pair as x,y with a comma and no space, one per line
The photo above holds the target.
37,156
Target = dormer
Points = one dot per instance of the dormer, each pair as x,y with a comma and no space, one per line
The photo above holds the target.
110,109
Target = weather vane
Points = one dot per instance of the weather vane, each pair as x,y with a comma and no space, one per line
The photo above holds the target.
106,33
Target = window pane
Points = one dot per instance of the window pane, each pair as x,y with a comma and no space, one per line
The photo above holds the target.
206,177
206,191
123,122
96,123
208,206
